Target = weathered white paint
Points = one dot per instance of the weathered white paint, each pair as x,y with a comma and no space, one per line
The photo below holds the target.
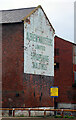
67,106
38,45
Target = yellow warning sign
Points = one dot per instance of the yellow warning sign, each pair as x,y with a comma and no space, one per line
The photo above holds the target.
54,91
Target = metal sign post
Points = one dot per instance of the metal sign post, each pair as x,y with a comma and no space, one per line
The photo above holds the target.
53,101
53,93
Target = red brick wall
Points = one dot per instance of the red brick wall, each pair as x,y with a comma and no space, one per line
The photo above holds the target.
20,89
37,90
12,63
63,77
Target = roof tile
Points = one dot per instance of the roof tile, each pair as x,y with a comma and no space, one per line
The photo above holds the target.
15,15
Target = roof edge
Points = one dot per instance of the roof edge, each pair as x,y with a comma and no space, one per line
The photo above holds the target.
39,6
65,39
16,9
31,13
11,22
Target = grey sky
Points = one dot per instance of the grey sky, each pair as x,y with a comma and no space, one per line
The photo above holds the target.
59,12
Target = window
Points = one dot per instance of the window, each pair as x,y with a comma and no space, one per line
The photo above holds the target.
74,50
56,51
56,66
74,55
74,84
17,94
74,66
74,77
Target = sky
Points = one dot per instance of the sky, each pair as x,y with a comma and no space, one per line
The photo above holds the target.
59,12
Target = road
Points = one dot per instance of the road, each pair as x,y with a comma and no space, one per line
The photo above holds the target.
35,118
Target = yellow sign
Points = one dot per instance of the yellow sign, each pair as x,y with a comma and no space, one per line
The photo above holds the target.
54,91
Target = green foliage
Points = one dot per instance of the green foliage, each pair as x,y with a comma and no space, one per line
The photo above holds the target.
58,116
72,117
66,116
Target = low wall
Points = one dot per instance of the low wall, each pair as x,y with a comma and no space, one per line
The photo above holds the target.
67,106
26,113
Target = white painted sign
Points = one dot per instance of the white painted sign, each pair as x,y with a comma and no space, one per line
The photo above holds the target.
38,45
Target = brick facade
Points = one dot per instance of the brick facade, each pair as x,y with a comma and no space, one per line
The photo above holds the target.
63,76
12,63
19,89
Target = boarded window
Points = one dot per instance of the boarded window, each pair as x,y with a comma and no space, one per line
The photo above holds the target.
17,94
56,66
56,51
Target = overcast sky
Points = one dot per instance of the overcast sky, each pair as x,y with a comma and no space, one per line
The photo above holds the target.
59,12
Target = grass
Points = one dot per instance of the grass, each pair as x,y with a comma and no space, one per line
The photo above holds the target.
58,116
71,117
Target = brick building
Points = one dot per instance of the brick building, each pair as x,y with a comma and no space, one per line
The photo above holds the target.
28,61
27,58
65,72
